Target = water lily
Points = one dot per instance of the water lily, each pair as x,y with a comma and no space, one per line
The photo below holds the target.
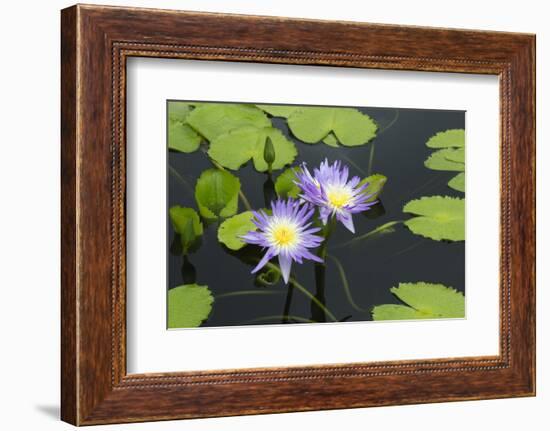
330,189
285,233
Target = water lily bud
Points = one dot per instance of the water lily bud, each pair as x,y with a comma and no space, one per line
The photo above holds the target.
269,152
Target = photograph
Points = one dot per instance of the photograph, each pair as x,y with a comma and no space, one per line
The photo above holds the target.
301,214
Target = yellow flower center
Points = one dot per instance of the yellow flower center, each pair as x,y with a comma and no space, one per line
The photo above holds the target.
338,197
284,235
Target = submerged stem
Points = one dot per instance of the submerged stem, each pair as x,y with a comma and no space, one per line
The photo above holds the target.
248,292
178,176
345,284
371,158
391,123
304,291
379,229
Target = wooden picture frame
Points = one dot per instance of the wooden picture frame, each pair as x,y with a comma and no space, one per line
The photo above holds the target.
95,43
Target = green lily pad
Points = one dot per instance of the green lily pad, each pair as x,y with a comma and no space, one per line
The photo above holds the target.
397,312
458,182
181,137
439,217
283,111
235,148
216,193
423,301
457,155
214,119
453,138
233,228
187,224
349,126
285,185
189,305
331,140
444,160
375,187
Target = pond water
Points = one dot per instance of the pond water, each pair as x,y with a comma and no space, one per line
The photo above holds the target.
372,266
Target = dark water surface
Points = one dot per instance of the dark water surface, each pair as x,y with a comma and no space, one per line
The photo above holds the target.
371,266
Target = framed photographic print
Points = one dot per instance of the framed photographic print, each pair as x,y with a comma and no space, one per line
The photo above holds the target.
264,217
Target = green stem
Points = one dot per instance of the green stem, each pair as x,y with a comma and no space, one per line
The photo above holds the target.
371,158
347,289
288,301
245,201
177,175
379,229
391,123
352,163
304,291
248,292
327,232
407,249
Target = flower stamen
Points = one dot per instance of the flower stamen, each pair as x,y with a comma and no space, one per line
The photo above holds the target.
284,235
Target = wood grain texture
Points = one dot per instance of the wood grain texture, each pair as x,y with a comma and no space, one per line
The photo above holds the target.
96,41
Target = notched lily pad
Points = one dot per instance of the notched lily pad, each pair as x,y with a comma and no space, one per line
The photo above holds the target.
231,230
446,160
349,126
216,193
331,140
181,136
214,119
438,217
233,149
458,183
187,225
189,305
397,312
285,185
452,138
283,111
423,301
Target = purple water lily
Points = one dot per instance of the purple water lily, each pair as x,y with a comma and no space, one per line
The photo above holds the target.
330,190
285,233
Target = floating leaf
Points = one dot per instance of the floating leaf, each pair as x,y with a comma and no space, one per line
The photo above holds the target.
214,119
431,298
441,160
285,185
235,148
331,140
458,182
231,230
439,217
397,312
453,138
187,224
188,305
278,110
457,155
181,137
349,126
217,193
423,301
376,184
